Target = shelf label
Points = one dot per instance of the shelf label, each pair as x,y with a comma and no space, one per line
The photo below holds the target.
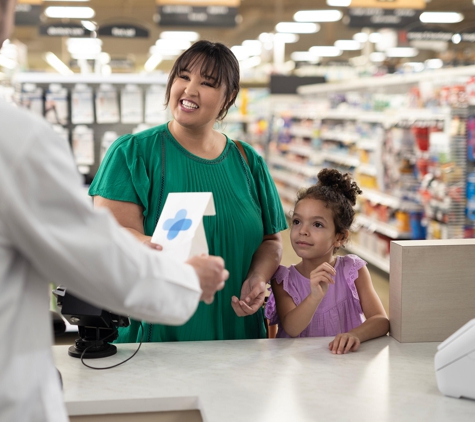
123,31
203,16
382,18
27,14
66,30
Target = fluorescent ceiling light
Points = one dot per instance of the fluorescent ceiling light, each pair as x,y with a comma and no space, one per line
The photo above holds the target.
297,27
325,51
286,38
180,35
375,37
56,63
168,44
84,48
69,12
266,37
250,62
164,51
441,17
338,3
377,57
318,16
348,45
304,56
153,61
456,38
434,63
89,25
254,47
361,37
240,52
402,52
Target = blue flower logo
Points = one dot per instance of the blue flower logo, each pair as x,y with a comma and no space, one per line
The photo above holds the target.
177,224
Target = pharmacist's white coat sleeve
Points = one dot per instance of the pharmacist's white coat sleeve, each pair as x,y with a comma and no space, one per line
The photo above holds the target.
52,223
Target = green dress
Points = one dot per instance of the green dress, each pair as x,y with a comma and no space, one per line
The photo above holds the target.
145,167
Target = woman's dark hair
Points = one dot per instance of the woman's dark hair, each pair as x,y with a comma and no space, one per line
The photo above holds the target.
338,191
217,61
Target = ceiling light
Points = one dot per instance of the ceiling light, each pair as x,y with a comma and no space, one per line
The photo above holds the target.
56,63
286,38
304,56
164,51
456,38
361,37
377,57
254,47
89,25
325,51
402,52
69,12
250,62
318,16
84,48
169,44
375,37
338,3
153,61
348,45
297,27
240,52
434,63
180,35
441,17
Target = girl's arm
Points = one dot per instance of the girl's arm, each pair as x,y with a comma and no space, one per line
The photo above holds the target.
264,264
376,324
295,318
129,216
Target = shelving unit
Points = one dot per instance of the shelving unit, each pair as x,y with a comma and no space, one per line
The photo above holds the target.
380,147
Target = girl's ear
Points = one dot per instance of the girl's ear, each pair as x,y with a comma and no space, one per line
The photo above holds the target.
341,238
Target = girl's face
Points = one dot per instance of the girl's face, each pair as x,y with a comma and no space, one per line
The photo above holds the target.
195,101
312,231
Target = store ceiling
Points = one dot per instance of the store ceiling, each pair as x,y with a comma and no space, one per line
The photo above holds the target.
257,16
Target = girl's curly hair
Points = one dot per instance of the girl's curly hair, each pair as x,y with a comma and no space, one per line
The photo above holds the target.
338,191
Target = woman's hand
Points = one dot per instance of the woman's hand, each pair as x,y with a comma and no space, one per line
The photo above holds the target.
253,292
147,241
320,278
344,343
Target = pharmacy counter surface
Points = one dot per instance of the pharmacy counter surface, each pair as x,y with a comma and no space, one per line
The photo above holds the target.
265,380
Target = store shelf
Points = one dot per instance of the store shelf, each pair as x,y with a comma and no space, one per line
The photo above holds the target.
386,81
369,256
78,78
380,227
289,179
368,169
299,168
341,159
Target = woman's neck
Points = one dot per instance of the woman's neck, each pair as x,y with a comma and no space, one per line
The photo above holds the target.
306,266
203,142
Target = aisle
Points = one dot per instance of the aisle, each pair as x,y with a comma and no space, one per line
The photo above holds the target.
380,278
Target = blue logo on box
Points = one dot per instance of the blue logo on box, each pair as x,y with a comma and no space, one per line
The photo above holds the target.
177,224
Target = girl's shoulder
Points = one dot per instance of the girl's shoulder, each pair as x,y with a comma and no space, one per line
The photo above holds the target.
348,267
291,281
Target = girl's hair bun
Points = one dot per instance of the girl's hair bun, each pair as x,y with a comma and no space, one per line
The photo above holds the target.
340,183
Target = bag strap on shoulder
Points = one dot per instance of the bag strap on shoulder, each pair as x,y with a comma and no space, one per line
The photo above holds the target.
241,150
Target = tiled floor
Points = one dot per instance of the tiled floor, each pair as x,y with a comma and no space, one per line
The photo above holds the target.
380,278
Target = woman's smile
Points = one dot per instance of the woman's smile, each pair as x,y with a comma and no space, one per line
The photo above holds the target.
188,105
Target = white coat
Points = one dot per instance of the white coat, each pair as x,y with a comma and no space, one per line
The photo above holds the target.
49,233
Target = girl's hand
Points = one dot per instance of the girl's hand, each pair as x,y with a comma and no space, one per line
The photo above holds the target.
320,278
343,343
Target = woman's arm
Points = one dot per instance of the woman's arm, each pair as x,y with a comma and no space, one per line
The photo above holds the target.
129,216
264,264
376,324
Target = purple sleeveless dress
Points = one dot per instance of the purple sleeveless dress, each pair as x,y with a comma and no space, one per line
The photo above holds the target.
340,309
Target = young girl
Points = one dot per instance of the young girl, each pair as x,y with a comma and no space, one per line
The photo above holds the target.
326,295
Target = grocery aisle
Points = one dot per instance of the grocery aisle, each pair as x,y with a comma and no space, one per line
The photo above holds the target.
380,278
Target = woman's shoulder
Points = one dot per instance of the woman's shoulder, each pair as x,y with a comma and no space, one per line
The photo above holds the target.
140,140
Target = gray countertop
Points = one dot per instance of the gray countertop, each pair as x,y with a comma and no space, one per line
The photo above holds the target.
265,380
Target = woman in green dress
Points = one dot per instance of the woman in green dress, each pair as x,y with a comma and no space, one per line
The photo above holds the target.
188,155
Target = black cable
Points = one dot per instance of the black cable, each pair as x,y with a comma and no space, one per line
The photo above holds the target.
117,364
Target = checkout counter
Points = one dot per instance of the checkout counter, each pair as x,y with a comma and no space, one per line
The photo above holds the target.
260,380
